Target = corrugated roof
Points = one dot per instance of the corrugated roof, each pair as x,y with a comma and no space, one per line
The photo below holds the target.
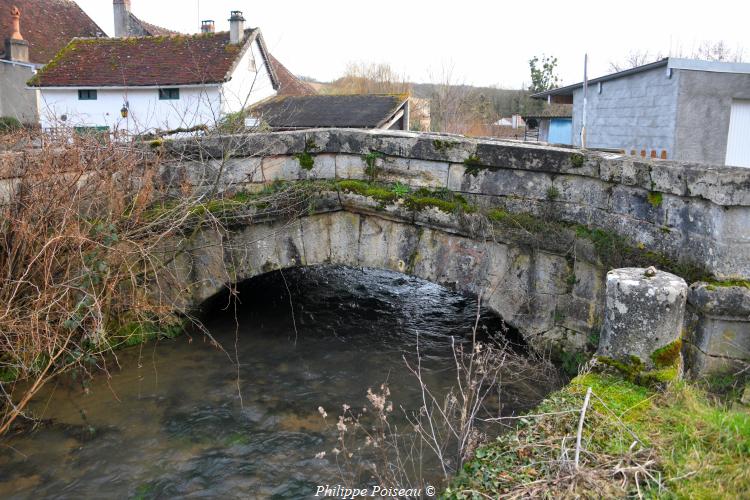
669,62
344,111
48,25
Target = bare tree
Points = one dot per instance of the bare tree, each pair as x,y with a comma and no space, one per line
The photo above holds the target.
634,59
451,103
718,51
362,78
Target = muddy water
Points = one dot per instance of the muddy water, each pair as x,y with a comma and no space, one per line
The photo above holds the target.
183,418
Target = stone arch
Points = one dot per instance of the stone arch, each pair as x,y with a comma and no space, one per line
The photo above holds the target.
526,287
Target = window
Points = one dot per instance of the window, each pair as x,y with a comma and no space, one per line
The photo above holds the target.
251,64
169,94
87,95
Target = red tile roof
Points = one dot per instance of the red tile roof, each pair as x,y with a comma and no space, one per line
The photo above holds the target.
288,83
48,25
145,61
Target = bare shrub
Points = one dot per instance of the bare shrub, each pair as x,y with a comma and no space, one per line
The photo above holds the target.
416,448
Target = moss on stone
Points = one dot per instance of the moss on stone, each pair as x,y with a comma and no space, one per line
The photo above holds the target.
577,159
655,198
443,146
668,355
727,283
473,164
306,160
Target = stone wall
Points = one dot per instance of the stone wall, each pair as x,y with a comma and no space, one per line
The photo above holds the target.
549,285
690,213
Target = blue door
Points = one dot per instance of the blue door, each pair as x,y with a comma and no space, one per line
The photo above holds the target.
560,131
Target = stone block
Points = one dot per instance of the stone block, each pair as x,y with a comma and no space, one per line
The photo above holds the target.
280,168
550,273
644,312
324,167
581,191
350,167
720,345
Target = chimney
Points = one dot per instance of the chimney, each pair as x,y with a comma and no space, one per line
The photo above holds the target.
236,27
208,26
16,48
122,17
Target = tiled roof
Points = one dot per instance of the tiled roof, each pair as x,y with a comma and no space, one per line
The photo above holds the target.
48,25
345,111
146,61
288,83
149,29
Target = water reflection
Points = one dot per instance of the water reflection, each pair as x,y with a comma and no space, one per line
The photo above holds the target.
181,418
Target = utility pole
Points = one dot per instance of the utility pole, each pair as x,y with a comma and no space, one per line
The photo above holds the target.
585,98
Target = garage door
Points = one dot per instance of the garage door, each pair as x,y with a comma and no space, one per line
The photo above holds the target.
738,143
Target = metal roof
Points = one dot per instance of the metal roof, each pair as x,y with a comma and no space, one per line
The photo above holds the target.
669,63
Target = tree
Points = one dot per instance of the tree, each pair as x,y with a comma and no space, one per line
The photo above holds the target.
718,51
360,78
543,75
634,59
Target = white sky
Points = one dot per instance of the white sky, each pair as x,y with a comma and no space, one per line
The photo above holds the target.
486,42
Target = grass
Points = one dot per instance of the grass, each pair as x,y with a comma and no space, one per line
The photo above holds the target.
682,443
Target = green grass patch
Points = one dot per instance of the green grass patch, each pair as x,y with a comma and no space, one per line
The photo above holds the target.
442,199
728,283
655,198
699,448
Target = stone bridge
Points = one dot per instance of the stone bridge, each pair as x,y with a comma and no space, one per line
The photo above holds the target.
532,230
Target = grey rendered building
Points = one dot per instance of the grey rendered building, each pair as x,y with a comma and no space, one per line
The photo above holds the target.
679,109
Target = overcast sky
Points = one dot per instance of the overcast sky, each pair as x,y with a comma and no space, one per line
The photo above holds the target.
486,42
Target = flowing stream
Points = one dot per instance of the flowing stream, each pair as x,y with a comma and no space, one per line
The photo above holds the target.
182,418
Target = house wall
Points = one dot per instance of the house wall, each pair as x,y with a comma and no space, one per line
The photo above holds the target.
637,112
15,99
196,106
246,87
704,107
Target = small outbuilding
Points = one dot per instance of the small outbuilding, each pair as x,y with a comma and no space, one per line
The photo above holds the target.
368,111
681,109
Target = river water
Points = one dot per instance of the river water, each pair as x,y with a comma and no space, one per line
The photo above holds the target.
184,417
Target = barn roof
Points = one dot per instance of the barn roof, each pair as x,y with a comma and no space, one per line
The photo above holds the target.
344,111
48,25
148,61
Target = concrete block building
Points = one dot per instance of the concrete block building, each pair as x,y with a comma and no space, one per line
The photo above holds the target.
680,109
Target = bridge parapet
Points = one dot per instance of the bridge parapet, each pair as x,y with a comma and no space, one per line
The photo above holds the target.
694,214
566,215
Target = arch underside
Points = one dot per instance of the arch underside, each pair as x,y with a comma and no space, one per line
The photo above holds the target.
547,297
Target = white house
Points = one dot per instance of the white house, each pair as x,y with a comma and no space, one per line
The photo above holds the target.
142,84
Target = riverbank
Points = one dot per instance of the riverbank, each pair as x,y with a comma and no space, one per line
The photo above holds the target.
679,442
